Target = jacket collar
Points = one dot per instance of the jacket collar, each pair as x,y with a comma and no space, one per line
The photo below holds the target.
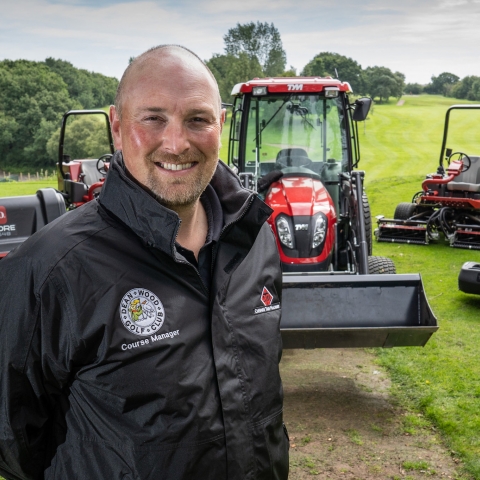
157,225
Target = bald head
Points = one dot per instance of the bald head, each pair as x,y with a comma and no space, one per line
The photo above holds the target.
167,56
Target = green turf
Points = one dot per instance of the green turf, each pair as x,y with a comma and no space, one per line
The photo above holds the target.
8,189
400,145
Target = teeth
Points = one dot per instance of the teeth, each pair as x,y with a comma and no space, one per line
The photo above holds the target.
176,166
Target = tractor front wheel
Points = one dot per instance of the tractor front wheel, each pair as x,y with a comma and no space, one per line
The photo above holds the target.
368,222
404,211
381,265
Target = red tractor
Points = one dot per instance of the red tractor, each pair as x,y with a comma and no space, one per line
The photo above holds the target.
294,141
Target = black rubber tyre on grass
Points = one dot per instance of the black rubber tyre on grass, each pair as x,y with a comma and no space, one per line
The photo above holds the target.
381,265
367,215
404,211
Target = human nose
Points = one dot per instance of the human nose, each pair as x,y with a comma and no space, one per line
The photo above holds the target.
175,138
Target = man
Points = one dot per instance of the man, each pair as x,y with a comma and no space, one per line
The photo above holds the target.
129,343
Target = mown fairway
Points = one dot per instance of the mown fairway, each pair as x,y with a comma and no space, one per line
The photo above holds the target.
400,145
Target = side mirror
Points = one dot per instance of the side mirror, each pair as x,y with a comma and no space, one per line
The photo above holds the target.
362,107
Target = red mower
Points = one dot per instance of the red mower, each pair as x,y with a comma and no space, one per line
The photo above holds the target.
448,204
79,181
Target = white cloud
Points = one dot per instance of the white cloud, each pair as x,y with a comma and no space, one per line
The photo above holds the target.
417,37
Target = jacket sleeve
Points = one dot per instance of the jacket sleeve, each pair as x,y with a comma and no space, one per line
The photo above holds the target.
33,367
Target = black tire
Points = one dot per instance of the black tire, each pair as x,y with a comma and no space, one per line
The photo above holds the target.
368,222
404,211
381,265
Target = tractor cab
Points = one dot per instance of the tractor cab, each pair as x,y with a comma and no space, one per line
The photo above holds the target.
294,142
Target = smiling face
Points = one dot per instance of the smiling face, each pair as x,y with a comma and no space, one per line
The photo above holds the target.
170,126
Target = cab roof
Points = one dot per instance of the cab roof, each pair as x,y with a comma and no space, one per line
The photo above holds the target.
292,84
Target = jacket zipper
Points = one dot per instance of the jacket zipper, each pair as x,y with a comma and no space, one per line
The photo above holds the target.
239,217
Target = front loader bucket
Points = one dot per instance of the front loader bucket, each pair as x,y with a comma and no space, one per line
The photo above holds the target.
338,311
402,231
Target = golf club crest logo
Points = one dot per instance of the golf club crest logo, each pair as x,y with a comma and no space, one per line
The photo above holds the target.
141,312
266,298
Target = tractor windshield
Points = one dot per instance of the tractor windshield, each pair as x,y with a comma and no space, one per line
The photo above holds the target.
304,134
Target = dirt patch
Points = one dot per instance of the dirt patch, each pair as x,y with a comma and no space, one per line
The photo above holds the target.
400,103
343,424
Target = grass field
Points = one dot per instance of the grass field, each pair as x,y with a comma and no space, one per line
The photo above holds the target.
400,145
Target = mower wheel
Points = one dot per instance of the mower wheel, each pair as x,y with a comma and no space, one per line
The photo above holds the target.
368,222
404,211
381,265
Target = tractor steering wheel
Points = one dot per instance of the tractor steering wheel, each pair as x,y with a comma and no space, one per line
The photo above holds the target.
101,167
463,157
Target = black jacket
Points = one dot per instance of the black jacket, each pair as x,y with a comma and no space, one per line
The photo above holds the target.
117,363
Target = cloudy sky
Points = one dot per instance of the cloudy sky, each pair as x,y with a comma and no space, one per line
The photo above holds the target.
419,38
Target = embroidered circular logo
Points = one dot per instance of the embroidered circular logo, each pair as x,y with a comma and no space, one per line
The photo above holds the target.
141,312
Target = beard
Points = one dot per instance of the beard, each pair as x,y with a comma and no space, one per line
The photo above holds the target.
181,192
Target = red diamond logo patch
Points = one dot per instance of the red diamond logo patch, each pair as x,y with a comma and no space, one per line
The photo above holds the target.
266,297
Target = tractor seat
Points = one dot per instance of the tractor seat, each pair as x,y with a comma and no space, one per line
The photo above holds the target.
468,181
293,157
89,168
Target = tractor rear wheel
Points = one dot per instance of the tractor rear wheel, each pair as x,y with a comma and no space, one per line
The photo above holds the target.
381,265
368,222
405,210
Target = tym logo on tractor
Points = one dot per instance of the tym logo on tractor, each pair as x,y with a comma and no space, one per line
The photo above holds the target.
294,86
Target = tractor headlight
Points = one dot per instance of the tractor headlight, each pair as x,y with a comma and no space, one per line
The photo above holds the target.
256,91
331,92
284,232
319,231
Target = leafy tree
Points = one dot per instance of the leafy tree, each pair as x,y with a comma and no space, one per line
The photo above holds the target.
230,70
413,89
443,84
382,83
326,64
92,90
32,101
33,98
291,72
468,88
258,40
85,137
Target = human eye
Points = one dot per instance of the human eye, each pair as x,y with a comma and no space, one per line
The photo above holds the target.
199,120
151,118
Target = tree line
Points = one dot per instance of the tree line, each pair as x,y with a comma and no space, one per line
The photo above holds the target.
34,95
33,98
256,50
449,85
